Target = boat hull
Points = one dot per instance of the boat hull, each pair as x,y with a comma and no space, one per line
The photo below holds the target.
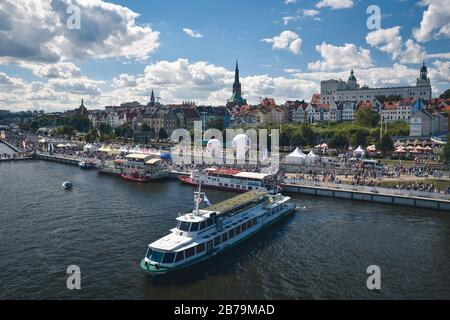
134,179
158,271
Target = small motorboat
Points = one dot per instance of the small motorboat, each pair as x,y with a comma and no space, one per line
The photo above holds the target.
67,185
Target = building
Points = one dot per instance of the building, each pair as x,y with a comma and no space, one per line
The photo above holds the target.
236,99
426,121
339,90
396,110
345,110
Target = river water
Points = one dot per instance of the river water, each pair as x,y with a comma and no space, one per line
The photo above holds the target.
105,224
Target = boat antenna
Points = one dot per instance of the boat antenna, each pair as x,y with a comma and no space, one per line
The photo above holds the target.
197,198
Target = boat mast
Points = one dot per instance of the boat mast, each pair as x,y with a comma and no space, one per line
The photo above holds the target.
197,199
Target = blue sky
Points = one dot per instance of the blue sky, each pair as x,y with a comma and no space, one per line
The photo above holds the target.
285,48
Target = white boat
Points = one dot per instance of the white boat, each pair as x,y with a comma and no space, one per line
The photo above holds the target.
232,180
207,232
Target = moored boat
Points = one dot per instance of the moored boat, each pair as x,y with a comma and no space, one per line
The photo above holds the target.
231,180
207,232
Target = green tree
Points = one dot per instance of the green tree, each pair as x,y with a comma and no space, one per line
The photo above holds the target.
146,128
284,139
297,139
367,118
445,95
338,141
360,137
162,134
386,144
104,129
91,136
446,151
308,134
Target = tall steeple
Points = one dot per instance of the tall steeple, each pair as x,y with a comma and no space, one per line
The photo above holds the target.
423,79
237,83
152,98
236,98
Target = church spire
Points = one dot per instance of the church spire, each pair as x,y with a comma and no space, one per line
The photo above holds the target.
152,98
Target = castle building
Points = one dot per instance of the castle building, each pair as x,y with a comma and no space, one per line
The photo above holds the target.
350,90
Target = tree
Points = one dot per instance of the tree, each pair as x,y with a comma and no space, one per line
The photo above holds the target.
386,144
124,131
104,129
146,128
367,118
284,139
308,134
338,141
91,136
64,131
446,151
445,95
359,138
297,139
162,134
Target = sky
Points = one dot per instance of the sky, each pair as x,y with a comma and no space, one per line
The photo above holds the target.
186,50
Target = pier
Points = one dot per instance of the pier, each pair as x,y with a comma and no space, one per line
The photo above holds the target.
60,159
377,195
10,146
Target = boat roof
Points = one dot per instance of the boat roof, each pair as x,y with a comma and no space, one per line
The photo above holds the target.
237,201
153,161
170,242
138,156
252,175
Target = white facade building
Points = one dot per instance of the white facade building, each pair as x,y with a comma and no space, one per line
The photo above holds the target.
334,90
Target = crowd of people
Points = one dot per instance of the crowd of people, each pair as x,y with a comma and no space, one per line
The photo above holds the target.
417,186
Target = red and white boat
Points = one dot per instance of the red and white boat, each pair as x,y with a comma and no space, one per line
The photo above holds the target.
135,177
231,180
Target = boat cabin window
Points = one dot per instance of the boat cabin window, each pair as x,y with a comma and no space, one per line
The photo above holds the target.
200,248
194,226
237,230
184,226
217,241
244,227
168,257
249,224
225,237
149,253
254,221
189,252
180,256
202,225
209,222
231,233
157,256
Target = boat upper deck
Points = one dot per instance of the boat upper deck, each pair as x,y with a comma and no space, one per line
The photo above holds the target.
235,202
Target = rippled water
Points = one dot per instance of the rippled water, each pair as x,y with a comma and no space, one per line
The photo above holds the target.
104,225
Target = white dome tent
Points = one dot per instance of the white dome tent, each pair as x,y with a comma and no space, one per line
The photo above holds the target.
296,157
312,158
214,148
359,152
241,144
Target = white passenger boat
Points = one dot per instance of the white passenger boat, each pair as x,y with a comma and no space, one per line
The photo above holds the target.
204,233
231,180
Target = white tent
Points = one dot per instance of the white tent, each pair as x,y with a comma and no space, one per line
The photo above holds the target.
359,152
312,158
296,157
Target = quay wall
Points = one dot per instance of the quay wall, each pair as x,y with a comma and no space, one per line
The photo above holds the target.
416,202
59,159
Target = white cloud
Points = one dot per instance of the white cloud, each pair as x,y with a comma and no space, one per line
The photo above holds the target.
290,1
435,22
124,81
335,57
391,42
445,55
310,12
335,4
62,70
440,72
36,31
287,40
191,33
78,86
287,19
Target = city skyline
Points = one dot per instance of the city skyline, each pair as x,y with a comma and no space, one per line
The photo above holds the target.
284,48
